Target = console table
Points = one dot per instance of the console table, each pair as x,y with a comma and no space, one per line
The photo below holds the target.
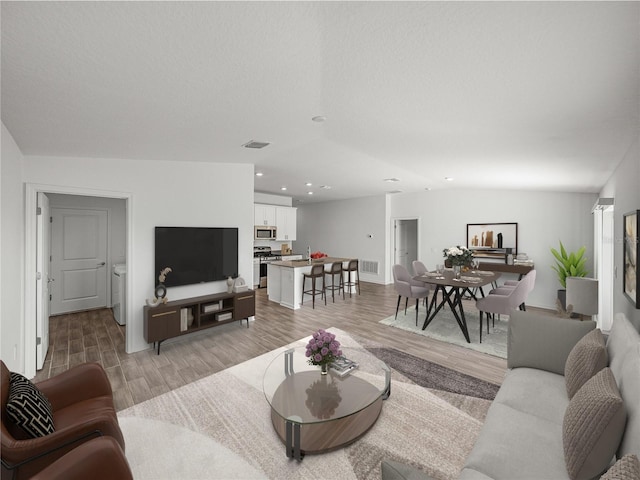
188,315
521,270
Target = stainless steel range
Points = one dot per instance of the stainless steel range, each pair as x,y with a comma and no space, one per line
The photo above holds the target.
262,256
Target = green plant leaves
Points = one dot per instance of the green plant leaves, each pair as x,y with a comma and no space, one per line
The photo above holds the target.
569,265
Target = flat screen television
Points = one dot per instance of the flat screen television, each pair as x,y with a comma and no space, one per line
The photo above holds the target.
196,254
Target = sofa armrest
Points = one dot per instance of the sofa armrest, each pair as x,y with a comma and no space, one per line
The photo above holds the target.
81,382
543,342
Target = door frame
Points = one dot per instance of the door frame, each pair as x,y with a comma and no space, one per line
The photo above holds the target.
30,264
394,229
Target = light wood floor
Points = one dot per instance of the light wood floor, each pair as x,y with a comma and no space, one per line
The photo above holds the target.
95,336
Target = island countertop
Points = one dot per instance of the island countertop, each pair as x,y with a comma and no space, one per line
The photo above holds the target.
305,263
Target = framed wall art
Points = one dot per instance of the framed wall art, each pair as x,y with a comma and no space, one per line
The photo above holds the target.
492,240
630,278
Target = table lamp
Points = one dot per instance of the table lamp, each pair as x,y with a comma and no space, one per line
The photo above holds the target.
582,293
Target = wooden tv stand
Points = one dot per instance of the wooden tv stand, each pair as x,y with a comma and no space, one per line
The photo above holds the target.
168,320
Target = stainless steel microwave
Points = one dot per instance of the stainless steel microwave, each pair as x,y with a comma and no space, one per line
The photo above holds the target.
265,233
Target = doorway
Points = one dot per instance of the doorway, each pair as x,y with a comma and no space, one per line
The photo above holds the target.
405,249
32,329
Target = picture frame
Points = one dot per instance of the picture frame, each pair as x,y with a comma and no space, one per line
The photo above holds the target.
492,240
630,284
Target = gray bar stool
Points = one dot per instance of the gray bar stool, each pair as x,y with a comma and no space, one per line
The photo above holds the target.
352,268
334,271
317,271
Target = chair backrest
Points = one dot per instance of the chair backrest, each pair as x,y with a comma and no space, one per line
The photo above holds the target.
401,274
521,291
336,267
352,266
419,268
317,270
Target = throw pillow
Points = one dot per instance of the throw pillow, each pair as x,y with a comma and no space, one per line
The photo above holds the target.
28,407
593,426
626,468
585,359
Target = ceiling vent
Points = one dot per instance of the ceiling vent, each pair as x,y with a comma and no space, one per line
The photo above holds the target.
254,144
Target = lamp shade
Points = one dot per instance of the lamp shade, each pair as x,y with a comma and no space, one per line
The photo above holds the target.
582,293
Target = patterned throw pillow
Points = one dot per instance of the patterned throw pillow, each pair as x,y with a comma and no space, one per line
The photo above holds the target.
626,468
593,426
28,407
586,358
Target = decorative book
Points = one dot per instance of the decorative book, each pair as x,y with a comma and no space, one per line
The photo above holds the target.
342,366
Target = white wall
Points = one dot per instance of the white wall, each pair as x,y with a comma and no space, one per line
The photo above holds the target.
12,255
177,193
350,229
543,218
624,187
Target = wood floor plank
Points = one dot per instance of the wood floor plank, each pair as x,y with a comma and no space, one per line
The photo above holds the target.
142,375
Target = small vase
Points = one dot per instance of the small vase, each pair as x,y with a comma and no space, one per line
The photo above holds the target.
456,271
324,368
229,285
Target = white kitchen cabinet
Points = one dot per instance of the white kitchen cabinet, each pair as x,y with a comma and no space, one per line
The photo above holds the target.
264,215
286,223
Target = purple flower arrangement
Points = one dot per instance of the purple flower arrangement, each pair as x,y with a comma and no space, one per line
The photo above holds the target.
323,348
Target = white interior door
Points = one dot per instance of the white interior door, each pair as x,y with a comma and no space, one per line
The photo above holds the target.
406,235
43,279
78,259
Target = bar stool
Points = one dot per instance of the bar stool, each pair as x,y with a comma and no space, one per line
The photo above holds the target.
334,270
352,267
317,271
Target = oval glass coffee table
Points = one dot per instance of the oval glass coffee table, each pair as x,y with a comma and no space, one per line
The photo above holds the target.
315,413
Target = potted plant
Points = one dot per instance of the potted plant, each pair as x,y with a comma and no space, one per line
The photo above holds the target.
568,265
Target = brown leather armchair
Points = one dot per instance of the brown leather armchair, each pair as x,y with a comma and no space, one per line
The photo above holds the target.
82,404
98,459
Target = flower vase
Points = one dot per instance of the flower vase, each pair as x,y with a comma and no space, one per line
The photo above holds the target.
229,285
456,271
324,368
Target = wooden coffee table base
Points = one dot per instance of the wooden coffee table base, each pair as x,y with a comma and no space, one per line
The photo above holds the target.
329,435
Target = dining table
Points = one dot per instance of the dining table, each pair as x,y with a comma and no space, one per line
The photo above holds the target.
453,290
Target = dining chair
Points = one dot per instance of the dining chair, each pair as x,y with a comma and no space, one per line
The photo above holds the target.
419,268
408,287
503,301
530,281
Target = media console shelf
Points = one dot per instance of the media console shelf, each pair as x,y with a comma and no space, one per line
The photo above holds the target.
188,315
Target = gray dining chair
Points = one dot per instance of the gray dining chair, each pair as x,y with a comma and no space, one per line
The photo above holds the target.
502,301
409,288
419,268
530,281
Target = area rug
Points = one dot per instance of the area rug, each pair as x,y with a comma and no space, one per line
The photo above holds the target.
220,428
445,329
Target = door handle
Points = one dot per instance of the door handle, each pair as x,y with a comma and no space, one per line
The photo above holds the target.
101,264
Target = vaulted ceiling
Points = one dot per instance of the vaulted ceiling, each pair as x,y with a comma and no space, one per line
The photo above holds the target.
522,95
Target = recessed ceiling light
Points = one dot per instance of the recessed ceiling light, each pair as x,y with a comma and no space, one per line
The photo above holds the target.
449,179
283,188
325,187
308,184
428,189
254,144
391,180
259,174
319,118
309,193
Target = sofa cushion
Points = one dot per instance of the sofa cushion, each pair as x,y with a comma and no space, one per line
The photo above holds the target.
627,468
28,407
521,389
623,336
593,426
586,358
629,386
516,445
540,341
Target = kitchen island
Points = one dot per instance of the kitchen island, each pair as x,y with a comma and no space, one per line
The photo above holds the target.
284,279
